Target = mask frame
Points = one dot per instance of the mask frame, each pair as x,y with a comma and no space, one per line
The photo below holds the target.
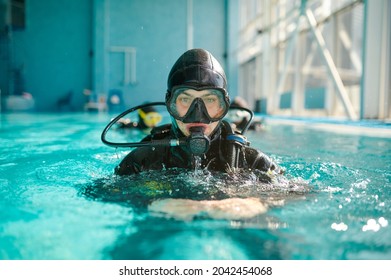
171,97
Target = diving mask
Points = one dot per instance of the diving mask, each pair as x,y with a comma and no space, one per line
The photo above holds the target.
150,119
198,105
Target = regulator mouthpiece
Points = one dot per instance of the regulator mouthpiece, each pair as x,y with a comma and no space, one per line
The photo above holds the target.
198,142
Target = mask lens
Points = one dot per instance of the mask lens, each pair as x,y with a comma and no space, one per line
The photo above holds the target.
213,99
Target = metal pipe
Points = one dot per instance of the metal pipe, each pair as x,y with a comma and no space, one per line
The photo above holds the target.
331,66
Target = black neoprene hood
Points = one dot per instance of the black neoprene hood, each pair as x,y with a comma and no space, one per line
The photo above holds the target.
196,68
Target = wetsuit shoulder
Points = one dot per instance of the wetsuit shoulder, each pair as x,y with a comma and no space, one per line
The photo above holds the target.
161,132
145,158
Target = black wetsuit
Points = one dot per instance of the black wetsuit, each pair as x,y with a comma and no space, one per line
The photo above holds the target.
218,157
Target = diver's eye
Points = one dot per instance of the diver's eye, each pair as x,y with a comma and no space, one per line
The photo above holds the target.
211,100
184,100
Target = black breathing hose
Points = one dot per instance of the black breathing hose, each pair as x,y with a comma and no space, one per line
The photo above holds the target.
198,141
130,144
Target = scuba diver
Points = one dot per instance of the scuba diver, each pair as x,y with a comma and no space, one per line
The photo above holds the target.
197,101
148,118
199,137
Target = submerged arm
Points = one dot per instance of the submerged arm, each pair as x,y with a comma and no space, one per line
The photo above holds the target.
230,208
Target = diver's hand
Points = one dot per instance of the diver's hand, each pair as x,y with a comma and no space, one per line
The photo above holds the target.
230,209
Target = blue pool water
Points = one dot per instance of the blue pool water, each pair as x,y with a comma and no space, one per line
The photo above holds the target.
59,200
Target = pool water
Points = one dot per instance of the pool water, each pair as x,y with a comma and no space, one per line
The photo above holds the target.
60,200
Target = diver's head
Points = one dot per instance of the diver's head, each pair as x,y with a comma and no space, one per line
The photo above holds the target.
197,92
148,117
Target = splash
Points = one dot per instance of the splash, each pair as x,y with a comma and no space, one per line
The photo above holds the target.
141,189
197,166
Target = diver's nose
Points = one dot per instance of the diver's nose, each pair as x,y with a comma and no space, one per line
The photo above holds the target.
198,113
